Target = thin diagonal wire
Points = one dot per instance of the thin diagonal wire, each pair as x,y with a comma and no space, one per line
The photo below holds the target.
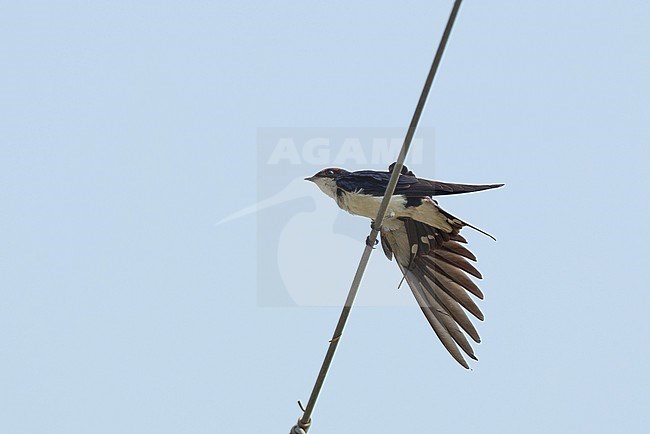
305,421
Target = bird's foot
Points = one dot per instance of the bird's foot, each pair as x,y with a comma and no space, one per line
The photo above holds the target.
369,243
377,227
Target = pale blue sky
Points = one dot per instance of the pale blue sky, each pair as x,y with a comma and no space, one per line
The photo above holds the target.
128,129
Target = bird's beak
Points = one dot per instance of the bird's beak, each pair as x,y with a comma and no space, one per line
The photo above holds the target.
311,178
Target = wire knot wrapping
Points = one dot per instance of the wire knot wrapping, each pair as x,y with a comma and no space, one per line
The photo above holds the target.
301,427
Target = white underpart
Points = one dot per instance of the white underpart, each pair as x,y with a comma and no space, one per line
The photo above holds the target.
395,233
327,186
429,213
367,206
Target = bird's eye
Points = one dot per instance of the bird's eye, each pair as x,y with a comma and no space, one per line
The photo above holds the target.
330,172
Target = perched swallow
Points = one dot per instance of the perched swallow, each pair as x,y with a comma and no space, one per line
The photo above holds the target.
426,243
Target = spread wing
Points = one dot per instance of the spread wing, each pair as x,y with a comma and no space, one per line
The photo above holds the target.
437,267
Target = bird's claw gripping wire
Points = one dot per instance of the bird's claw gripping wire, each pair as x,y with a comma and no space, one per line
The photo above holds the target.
374,227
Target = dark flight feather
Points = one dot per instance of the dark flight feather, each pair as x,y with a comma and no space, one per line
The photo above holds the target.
436,267
374,183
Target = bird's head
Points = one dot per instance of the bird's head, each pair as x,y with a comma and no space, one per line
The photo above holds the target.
329,173
326,179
